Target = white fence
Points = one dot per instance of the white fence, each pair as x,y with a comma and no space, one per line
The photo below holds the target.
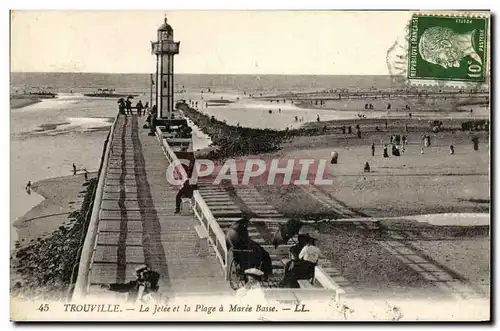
201,211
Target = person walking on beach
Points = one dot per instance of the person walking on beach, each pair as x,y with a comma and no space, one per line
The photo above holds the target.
28,187
139,107
334,158
373,149
386,154
349,129
452,150
317,118
74,169
475,142
86,174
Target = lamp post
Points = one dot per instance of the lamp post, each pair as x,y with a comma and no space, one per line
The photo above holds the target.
165,48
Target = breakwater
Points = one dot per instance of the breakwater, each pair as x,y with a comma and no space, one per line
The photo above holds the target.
237,140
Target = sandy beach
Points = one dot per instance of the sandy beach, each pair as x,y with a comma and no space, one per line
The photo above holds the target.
62,197
43,263
22,102
400,257
377,260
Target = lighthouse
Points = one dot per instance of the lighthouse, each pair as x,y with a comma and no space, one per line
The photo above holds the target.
165,48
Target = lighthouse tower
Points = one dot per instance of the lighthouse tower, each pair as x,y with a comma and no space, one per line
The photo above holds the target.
165,48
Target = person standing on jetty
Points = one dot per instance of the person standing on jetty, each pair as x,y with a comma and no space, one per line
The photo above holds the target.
74,169
139,107
152,120
128,105
121,106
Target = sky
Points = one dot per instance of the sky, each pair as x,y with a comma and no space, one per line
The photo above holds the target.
216,42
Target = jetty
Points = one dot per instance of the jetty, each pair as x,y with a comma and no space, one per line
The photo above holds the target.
134,220
133,223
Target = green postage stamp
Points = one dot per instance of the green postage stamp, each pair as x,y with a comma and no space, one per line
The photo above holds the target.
448,48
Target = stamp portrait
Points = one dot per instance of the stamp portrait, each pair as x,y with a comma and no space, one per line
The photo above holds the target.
448,48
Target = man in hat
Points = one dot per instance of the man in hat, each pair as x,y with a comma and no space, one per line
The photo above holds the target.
305,265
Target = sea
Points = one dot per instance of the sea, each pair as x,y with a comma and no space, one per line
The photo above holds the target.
46,138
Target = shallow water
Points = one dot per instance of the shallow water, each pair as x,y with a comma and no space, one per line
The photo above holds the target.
48,137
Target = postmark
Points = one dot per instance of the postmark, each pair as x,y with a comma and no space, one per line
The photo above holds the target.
450,48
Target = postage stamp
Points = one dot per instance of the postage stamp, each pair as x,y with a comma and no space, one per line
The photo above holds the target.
448,48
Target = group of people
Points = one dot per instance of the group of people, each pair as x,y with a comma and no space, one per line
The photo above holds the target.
255,262
395,141
125,107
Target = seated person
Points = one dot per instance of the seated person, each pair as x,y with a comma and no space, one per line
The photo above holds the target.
237,238
259,258
145,277
304,267
237,234
295,251
186,191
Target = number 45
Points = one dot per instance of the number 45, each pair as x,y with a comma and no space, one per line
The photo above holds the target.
43,307
474,70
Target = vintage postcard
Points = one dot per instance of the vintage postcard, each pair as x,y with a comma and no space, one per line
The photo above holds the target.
250,166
